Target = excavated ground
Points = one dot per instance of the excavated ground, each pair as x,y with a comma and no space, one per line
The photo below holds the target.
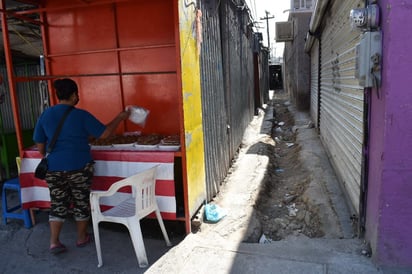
283,210
279,185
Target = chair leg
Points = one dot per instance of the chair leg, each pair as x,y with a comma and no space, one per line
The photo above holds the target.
26,218
16,211
97,243
4,205
162,227
138,244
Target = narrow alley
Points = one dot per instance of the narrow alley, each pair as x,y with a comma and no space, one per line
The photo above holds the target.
284,210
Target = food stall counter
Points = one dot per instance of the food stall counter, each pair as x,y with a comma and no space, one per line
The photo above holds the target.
110,166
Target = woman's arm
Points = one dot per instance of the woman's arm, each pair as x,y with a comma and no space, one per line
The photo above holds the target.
42,148
111,127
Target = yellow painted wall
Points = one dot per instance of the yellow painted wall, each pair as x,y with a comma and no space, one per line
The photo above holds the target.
192,106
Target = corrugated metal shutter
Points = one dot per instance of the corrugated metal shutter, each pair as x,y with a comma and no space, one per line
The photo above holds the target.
213,101
237,44
227,85
28,95
342,99
314,77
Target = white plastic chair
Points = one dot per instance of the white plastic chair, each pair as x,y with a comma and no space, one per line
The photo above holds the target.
129,213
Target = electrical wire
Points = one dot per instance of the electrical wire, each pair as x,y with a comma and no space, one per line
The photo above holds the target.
254,5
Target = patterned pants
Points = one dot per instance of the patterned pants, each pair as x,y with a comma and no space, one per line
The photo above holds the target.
70,189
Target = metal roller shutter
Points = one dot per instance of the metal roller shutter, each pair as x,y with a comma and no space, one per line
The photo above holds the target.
314,93
341,98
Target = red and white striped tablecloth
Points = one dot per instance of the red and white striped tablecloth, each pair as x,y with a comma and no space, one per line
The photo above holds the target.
111,166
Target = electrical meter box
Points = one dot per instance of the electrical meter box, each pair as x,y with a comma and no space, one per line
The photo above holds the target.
368,59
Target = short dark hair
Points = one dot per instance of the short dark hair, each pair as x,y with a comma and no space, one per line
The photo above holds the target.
65,88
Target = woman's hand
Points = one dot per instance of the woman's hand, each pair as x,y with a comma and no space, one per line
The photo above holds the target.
124,115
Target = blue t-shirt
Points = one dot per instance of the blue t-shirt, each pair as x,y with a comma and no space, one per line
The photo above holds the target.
71,150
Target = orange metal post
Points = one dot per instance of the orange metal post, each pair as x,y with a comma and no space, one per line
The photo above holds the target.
11,78
44,36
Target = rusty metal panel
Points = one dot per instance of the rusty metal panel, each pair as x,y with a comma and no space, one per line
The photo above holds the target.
342,99
261,79
227,72
264,75
238,70
215,122
6,113
28,96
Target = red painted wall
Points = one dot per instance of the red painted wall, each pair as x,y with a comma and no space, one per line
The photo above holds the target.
120,54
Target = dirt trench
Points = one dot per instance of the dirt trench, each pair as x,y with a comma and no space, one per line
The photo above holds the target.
282,209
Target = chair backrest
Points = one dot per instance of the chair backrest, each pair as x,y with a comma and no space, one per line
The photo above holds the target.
143,186
144,189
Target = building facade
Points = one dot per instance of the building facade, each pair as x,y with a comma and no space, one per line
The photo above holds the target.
360,103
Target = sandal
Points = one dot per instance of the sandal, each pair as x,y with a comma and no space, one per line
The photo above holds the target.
57,249
88,240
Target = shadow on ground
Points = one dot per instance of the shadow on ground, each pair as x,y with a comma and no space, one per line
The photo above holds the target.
26,250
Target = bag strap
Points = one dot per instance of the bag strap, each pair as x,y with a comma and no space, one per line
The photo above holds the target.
58,129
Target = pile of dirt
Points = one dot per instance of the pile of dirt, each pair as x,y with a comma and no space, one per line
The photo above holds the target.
282,208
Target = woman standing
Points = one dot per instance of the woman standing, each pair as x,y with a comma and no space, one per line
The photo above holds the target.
71,165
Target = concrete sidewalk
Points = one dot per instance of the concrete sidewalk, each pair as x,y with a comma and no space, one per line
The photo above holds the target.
215,248
197,254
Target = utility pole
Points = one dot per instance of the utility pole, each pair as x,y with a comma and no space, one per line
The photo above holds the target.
267,25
